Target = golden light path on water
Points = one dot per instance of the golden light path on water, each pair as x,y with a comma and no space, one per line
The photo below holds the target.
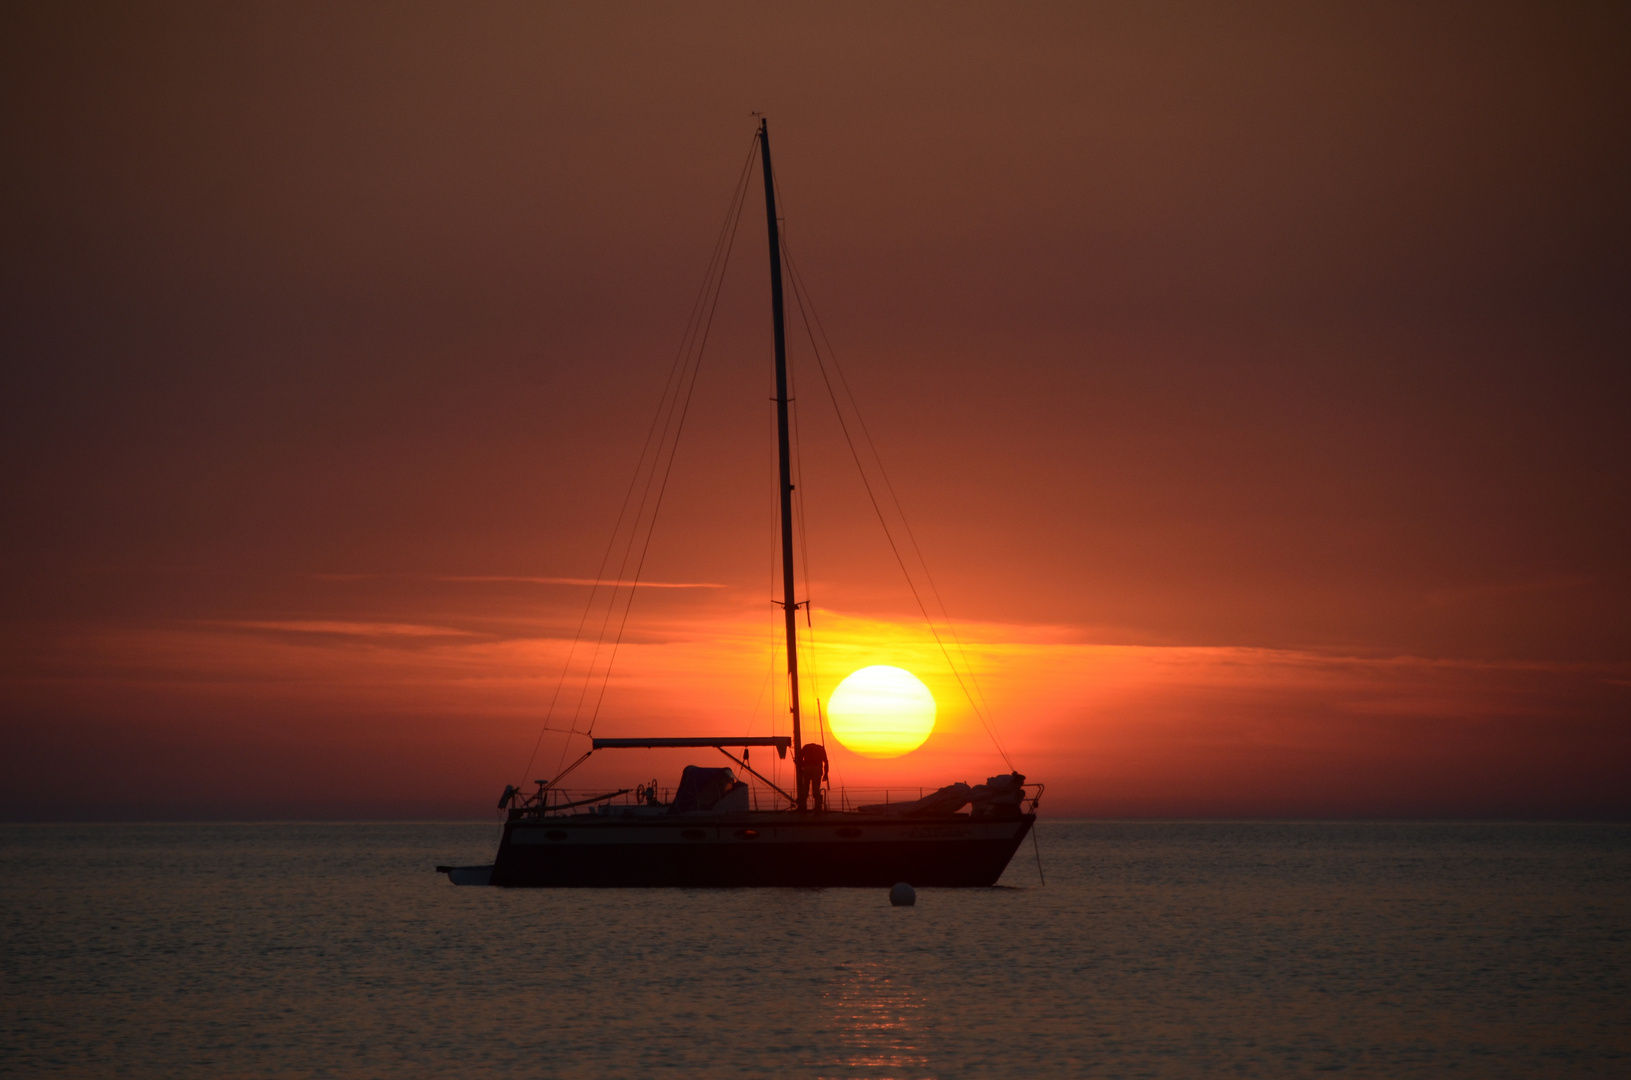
881,711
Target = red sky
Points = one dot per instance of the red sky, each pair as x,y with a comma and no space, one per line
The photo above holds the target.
1254,379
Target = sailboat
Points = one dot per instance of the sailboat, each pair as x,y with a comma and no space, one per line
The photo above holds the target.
708,831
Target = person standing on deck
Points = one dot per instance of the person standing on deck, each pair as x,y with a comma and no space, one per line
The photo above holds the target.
812,772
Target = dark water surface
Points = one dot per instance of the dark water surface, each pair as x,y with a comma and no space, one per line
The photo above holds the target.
1259,950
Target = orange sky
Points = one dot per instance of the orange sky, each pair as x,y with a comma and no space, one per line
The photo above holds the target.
1254,380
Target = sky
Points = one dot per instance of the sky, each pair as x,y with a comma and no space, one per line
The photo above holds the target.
1252,378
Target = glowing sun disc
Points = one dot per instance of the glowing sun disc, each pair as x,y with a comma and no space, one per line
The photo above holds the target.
881,712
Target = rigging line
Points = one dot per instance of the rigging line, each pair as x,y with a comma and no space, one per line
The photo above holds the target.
753,714
670,385
640,467
804,547
708,296
775,547
651,528
889,535
778,710
693,356
645,548
804,540
803,518
889,485
628,548
600,573
814,667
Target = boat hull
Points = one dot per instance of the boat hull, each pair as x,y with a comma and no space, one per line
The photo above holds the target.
777,849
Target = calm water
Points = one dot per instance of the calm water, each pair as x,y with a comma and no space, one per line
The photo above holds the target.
1153,950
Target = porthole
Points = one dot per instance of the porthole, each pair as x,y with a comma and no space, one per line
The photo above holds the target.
747,834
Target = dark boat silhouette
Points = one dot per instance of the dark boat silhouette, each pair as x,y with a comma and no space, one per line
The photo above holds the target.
709,833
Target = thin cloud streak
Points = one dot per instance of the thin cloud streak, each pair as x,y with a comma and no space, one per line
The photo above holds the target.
349,629
1114,730
589,581
523,579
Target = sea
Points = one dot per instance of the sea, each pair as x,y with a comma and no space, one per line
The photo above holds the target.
1109,949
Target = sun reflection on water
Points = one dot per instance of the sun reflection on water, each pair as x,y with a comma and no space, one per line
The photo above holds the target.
878,1021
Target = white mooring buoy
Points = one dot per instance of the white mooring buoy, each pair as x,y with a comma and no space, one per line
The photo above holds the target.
902,895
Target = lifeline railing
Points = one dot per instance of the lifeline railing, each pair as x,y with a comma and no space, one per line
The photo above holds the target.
549,801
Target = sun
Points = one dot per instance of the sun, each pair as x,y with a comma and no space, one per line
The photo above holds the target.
881,712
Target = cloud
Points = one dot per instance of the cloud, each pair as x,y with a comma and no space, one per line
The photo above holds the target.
315,706
479,579
350,629
589,581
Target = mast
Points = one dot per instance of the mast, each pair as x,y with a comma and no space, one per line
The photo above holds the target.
789,603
